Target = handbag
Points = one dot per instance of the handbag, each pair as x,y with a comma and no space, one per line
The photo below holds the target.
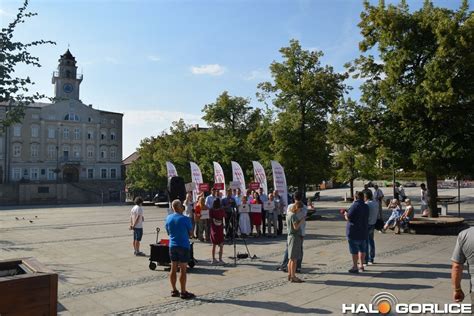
378,224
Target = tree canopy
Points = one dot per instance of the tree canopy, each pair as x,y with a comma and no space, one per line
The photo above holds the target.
14,90
420,86
303,92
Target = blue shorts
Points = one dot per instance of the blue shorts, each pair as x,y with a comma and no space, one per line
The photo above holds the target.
180,254
356,246
137,234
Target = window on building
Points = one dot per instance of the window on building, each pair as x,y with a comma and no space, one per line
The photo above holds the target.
17,130
90,134
112,136
76,151
90,173
51,117
43,189
34,131
35,116
90,152
89,119
65,152
113,153
112,121
16,150
103,135
25,174
51,132
77,133
16,174
66,133
51,174
71,117
51,152
103,153
34,150
103,173
34,174
113,173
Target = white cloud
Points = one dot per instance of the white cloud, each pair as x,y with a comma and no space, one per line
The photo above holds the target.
154,58
212,69
257,74
139,124
112,60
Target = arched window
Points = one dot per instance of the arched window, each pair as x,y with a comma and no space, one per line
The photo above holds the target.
71,117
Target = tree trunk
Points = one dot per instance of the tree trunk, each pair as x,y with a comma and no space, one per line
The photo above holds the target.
432,186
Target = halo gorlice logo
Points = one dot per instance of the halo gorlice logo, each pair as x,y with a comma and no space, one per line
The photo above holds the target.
382,303
385,303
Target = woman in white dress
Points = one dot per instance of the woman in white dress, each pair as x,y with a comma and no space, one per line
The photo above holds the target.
244,220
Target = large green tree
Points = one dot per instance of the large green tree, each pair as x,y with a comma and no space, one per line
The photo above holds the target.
303,92
234,124
420,87
14,90
354,154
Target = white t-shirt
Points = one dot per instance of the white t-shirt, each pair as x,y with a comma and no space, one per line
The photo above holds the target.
137,211
423,197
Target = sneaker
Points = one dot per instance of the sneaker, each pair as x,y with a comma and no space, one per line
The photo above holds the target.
140,254
214,261
221,262
175,293
354,270
187,295
370,263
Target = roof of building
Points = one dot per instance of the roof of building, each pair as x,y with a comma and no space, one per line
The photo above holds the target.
130,158
68,55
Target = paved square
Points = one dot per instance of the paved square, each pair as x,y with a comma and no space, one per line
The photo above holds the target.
90,248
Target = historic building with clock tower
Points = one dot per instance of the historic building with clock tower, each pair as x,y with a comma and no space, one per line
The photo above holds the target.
63,152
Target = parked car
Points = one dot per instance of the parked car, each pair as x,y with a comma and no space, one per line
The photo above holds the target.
390,183
160,197
409,185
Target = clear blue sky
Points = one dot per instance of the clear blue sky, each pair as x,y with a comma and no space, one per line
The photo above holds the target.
158,61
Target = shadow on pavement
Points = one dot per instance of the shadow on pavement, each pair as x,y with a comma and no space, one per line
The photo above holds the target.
272,306
385,286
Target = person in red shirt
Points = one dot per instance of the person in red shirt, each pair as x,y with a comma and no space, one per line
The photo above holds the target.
256,218
217,215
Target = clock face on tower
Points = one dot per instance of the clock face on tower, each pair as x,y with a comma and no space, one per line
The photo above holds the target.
68,88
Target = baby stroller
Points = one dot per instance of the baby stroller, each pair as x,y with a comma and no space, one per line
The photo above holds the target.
160,253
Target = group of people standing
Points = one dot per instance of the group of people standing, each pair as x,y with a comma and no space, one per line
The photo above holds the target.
238,219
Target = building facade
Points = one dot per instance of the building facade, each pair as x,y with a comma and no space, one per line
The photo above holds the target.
64,141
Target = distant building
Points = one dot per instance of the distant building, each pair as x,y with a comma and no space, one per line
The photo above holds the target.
65,141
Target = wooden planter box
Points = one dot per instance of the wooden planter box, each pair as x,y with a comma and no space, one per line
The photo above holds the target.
27,288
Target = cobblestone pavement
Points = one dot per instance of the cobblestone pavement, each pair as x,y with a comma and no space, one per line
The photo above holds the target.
90,248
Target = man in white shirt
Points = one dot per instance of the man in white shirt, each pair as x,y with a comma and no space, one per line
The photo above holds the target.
263,198
136,224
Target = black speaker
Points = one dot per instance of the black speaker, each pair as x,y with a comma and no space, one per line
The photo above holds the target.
176,189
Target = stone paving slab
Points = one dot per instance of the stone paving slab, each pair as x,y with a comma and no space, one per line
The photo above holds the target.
90,248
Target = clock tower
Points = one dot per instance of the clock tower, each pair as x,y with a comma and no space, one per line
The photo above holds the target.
66,80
